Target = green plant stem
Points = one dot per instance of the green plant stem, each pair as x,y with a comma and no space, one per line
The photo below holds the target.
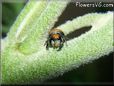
22,62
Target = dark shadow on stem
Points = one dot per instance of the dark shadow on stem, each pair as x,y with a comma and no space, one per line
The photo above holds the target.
78,32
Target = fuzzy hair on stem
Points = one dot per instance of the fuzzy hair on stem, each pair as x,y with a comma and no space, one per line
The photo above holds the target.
21,61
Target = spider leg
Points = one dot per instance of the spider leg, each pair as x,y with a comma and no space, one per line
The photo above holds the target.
60,47
64,40
47,46
45,43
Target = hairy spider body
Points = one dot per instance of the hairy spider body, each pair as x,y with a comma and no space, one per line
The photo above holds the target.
55,39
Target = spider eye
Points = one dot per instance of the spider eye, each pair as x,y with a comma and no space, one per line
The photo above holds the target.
52,42
55,43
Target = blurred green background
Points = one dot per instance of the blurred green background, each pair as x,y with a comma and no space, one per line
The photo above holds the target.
9,14
98,71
